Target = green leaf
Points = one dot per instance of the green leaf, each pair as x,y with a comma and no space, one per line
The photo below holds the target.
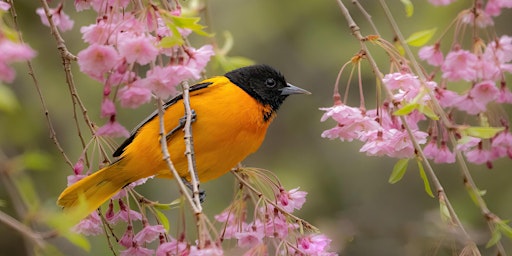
445,213
398,171
428,111
407,109
163,219
504,228
495,238
8,101
424,177
191,23
420,38
482,132
409,7
171,41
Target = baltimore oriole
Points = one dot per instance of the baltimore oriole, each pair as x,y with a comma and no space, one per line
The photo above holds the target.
232,114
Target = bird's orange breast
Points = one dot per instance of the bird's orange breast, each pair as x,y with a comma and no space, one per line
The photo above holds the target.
229,126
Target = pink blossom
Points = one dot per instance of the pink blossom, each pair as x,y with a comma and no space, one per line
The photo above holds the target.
137,251
109,214
149,233
460,64
163,80
478,97
482,19
59,18
316,244
78,168
291,200
500,49
351,122
96,60
162,30
81,5
377,143
122,193
392,142
125,214
502,145
504,96
446,97
134,95
441,2
12,52
444,155
127,238
72,179
484,92
90,226
430,150
140,49
208,251
112,129
487,68
466,143
479,156
4,6
107,108
172,248
98,33
198,58
276,225
493,7
470,105
7,73
432,54
249,238
404,81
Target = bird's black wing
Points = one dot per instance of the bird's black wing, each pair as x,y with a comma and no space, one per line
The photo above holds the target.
171,102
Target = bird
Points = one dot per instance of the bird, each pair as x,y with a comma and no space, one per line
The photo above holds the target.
231,115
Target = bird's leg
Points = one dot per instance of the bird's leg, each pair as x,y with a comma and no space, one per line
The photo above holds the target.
202,193
181,124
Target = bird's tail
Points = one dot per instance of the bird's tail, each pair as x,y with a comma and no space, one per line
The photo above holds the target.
92,191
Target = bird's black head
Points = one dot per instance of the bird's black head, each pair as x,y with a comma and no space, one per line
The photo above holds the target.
267,85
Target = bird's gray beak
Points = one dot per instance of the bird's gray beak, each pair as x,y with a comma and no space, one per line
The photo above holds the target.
292,89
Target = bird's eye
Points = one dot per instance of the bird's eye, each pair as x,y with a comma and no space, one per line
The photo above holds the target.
270,82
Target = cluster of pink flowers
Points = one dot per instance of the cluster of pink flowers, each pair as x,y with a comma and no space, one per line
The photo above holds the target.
270,223
483,69
121,42
386,137
11,49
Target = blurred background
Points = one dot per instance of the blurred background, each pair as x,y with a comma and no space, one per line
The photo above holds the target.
349,197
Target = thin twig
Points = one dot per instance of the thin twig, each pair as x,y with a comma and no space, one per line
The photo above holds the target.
279,208
167,158
67,57
189,145
53,134
36,238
